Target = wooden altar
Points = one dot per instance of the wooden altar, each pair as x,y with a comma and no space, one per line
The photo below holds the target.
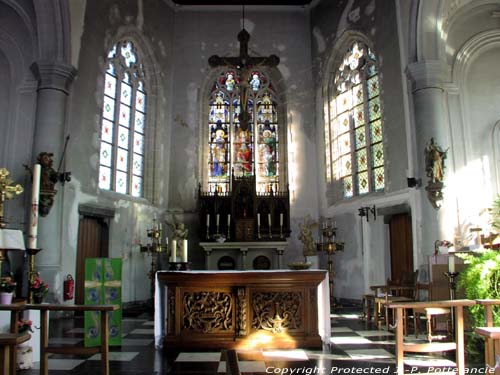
264,309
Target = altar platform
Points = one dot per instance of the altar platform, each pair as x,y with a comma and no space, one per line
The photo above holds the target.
242,309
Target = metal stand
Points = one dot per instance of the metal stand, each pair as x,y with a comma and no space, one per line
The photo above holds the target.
31,271
452,276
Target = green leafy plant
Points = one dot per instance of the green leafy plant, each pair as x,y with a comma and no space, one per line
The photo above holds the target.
39,288
480,280
495,214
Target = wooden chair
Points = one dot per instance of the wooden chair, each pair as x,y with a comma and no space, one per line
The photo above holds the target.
430,313
492,345
8,345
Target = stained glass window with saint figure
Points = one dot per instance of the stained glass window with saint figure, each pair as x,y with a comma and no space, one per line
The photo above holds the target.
239,145
123,122
354,152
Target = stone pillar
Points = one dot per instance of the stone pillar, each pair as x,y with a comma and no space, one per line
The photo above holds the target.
54,80
429,79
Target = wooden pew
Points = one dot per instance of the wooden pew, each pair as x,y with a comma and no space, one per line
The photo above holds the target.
44,334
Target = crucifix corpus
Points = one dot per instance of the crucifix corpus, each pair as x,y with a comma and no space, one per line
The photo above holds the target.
243,65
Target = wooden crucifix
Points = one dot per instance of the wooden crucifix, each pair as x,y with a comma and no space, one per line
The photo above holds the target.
243,64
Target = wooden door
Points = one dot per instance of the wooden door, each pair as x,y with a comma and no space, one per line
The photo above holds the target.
401,244
92,243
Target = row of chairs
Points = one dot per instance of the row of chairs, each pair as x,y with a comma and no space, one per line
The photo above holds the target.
376,304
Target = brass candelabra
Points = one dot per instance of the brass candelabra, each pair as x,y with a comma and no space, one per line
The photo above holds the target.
329,245
154,249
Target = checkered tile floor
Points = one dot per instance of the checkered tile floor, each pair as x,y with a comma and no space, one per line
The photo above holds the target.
354,344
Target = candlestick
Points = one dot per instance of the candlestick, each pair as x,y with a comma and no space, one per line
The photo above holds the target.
208,220
173,252
451,262
35,194
281,220
228,226
258,220
269,219
217,219
184,251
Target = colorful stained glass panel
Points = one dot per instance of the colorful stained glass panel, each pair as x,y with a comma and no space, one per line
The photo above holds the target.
360,137
374,109
345,143
108,109
378,155
136,186
357,94
346,165
362,163
123,137
344,101
126,95
124,115
122,159
107,131
373,87
121,182
110,86
106,154
348,188
140,101
343,121
139,122
359,116
138,143
104,178
363,185
376,131
137,164
379,178
128,53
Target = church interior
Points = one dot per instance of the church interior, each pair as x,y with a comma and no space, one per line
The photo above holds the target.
296,166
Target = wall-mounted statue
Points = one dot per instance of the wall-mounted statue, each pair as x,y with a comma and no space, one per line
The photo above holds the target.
306,236
434,168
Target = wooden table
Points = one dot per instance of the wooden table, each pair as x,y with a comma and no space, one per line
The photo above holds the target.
44,332
457,345
489,351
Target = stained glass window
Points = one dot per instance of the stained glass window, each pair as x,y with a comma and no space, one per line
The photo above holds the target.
354,152
123,122
243,138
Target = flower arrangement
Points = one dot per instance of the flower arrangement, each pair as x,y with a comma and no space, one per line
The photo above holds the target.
24,325
7,285
39,288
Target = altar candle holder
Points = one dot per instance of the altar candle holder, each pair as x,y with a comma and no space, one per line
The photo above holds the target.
258,226
31,270
281,225
270,226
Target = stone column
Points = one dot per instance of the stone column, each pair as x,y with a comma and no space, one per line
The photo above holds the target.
429,79
54,80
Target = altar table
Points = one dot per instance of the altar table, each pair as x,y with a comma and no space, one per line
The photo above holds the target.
236,309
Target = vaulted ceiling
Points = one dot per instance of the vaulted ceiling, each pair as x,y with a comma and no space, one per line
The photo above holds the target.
242,2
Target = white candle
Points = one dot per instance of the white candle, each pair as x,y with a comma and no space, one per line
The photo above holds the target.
184,251
228,220
217,219
281,220
173,251
258,220
35,194
269,219
451,262
208,220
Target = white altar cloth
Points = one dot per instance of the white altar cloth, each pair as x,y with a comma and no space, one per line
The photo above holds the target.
324,325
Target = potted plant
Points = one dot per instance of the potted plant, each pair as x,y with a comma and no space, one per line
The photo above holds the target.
39,290
7,286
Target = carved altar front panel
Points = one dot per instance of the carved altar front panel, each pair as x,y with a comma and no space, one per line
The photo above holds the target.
218,310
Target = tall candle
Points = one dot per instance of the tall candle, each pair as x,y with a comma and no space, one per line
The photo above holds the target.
281,220
451,262
173,256
258,220
35,194
217,220
269,219
228,220
184,251
208,220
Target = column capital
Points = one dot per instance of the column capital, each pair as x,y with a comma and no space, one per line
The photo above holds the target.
428,74
55,75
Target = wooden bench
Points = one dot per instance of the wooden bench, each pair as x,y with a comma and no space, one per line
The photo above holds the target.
489,351
493,335
8,345
457,344
14,309
44,334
